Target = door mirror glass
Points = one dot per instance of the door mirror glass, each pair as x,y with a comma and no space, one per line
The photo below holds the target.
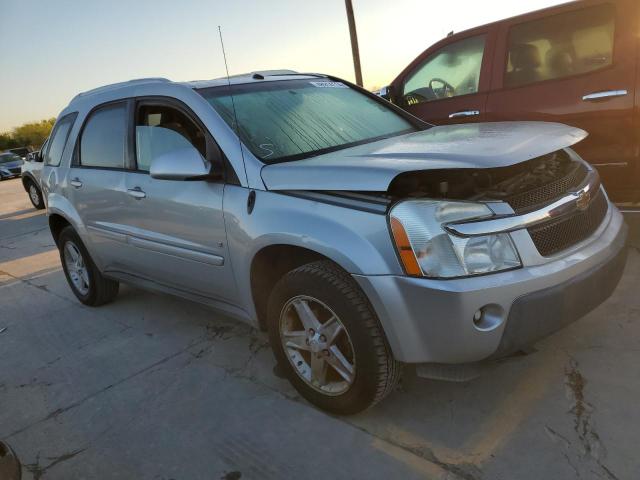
452,71
384,92
184,163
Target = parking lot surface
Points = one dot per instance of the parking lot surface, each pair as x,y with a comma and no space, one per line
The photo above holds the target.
154,387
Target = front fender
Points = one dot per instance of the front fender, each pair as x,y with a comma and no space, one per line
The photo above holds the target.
358,241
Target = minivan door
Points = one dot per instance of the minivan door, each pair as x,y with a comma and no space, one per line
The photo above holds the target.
179,233
449,83
575,65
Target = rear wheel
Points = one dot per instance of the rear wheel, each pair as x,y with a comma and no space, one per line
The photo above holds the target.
84,278
35,195
327,339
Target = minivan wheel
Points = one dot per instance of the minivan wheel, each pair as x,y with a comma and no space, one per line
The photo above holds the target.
84,278
34,195
327,339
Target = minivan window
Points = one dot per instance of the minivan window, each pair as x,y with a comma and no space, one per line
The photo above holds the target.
452,71
59,138
561,45
104,137
161,129
290,119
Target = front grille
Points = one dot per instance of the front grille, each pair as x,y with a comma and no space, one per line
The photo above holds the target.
533,199
557,235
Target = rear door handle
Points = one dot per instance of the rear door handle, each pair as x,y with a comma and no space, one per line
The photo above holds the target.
75,182
606,94
136,193
465,113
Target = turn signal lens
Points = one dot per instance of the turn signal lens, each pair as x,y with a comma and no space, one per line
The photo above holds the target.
408,258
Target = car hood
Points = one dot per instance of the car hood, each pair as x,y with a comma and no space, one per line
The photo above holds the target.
372,167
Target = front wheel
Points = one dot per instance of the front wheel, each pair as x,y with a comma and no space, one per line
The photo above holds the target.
325,334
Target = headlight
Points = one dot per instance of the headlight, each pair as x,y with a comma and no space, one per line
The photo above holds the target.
427,249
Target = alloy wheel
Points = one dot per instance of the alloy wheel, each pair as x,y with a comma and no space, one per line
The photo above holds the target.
76,268
318,345
34,194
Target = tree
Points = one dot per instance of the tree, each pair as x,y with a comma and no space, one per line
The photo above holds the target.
29,134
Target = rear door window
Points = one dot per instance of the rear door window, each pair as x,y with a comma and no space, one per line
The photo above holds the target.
104,137
58,142
561,45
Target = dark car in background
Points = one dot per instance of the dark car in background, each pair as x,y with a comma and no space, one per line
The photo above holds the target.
575,63
10,165
22,152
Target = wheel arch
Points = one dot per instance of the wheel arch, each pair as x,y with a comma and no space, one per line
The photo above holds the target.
270,264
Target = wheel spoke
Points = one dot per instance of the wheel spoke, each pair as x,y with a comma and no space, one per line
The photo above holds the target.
84,276
72,252
331,329
297,340
306,315
340,364
318,370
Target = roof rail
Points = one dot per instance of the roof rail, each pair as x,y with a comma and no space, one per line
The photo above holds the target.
114,86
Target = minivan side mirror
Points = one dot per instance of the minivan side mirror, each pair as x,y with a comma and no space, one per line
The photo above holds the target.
180,164
37,157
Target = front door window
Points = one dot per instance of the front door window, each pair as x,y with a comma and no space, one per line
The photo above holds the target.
452,71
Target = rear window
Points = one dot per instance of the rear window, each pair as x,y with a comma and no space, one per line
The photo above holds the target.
291,119
59,138
561,45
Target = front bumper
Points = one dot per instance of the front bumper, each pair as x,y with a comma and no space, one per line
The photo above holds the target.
431,321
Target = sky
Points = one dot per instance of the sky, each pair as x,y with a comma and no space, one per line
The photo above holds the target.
52,50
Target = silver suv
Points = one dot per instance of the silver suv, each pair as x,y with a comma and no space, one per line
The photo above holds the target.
358,236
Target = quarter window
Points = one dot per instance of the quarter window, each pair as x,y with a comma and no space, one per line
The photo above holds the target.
104,137
59,139
561,46
160,130
452,71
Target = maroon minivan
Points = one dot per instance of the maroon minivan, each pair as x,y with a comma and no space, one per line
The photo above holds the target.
575,63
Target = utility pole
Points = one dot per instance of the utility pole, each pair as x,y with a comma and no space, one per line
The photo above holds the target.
354,42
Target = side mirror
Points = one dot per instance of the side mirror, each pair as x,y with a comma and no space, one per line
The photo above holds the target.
180,164
37,157
385,92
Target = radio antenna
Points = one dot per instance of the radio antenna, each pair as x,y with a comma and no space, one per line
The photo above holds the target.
233,104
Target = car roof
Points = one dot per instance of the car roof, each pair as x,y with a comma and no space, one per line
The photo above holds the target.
257,76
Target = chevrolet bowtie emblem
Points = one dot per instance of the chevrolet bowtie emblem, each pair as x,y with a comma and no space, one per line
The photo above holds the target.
583,200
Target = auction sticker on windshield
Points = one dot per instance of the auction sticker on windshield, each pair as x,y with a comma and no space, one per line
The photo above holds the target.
328,84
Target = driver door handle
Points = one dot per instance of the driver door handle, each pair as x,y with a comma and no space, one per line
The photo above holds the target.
136,193
465,113
608,94
75,182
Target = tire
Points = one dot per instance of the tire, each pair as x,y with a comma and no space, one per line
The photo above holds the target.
35,195
99,290
330,292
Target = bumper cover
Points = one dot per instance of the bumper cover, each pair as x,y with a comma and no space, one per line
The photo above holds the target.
539,314
431,321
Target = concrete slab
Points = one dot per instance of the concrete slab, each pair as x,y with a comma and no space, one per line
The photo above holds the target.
156,387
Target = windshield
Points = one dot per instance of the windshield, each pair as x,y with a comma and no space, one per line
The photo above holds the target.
9,158
292,119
